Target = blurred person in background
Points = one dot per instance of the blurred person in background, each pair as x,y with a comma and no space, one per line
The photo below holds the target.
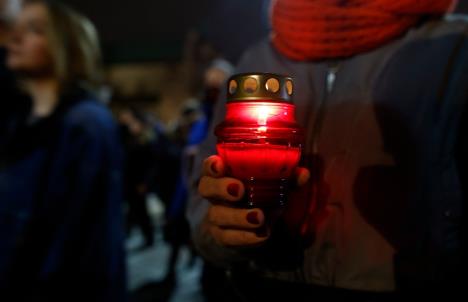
176,229
192,129
214,79
138,138
10,95
381,88
61,230
8,10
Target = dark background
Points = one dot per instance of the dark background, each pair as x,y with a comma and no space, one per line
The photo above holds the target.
149,30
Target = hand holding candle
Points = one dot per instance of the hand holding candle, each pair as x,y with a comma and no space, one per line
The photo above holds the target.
259,139
230,225
259,147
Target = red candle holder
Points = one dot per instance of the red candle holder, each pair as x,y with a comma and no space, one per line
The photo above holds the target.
259,139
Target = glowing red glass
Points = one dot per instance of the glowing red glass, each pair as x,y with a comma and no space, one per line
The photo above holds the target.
260,143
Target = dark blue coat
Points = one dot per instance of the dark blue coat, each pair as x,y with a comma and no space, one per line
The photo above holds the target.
61,229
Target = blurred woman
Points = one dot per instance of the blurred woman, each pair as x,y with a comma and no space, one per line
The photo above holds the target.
60,169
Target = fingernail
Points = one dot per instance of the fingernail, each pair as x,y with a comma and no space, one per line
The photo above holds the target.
233,189
213,168
252,218
262,232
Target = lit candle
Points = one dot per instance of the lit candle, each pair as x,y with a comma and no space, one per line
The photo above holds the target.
259,139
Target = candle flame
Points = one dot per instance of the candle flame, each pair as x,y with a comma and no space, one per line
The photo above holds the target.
263,112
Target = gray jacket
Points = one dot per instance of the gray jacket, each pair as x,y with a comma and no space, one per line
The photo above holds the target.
382,144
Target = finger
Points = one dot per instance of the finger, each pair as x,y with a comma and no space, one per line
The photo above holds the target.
238,238
226,217
213,166
225,189
302,176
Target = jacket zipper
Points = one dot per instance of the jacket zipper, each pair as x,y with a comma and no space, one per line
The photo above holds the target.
329,86
330,79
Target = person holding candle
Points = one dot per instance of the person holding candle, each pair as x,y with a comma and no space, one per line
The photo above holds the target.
380,87
61,230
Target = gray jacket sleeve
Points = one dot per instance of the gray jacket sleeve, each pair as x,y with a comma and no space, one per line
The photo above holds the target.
197,206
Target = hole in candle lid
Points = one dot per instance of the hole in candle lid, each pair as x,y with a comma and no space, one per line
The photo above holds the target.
272,85
289,87
232,87
250,85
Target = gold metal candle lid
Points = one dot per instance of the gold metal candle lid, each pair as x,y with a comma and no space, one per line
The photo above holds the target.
259,86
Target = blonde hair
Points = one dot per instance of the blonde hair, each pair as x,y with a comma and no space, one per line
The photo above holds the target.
74,45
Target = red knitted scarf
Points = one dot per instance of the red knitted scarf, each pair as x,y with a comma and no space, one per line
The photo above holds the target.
322,29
